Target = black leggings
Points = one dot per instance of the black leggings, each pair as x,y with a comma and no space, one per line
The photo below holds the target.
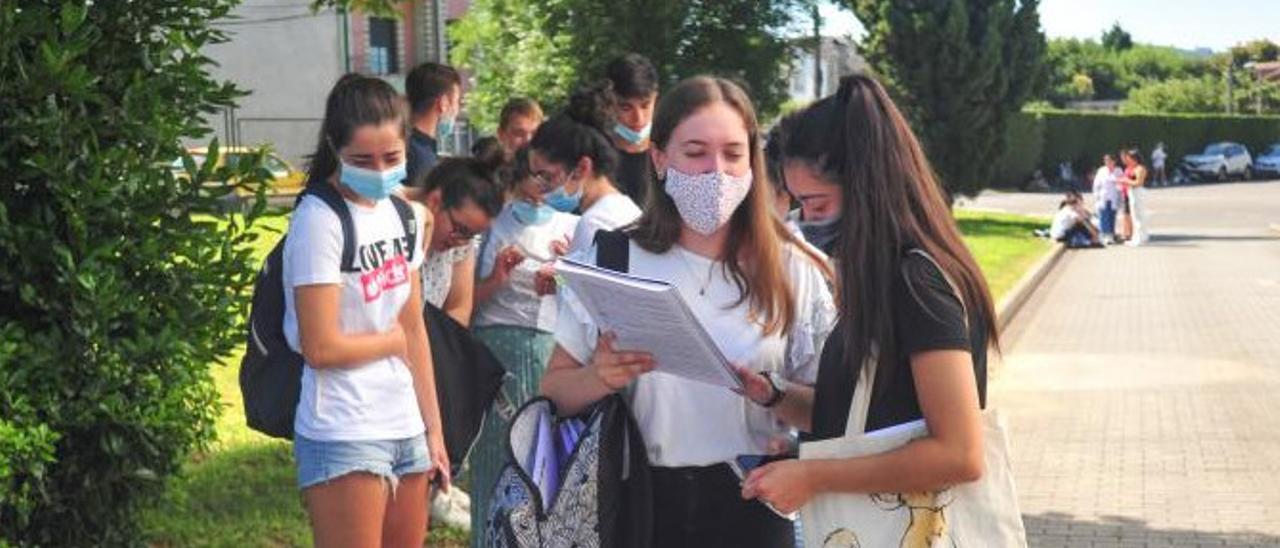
699,507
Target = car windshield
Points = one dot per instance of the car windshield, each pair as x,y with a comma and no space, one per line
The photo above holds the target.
1273,150
276,166
1214,150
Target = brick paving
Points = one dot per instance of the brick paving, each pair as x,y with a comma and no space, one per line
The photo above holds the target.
1142,386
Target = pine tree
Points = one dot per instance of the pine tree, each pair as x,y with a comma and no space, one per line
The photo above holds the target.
960,69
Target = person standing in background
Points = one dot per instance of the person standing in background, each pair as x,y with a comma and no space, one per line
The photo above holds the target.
572,157
635,88
517,123
1106,197
1157,165
515,316
435,98
1135,179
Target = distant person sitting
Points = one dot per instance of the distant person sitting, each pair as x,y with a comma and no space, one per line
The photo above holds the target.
1072,225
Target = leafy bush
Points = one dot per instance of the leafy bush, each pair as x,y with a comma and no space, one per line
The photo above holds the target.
114,297
1083,137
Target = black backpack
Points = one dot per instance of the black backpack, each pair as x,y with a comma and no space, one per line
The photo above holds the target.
271,372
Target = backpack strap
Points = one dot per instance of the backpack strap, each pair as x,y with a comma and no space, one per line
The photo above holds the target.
409,222
613,250
330,197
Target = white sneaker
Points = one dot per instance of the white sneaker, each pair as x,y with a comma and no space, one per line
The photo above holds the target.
452,509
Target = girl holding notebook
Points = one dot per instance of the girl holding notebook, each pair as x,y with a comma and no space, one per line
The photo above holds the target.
760,294
914,304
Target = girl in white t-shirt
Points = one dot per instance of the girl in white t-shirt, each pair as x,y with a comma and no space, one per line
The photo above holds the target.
574,158
760,294
515,314
367,433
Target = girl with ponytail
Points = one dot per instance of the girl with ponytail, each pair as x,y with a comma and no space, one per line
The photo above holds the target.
573,158
367,434
913,303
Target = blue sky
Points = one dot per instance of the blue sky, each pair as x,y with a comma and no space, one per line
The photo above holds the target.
1187,24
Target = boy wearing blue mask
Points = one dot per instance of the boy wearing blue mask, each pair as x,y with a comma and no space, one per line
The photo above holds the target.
635,86
435,98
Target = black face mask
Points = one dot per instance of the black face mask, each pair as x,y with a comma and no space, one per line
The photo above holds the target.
822,234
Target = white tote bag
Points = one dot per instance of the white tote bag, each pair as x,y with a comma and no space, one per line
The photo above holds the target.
983,513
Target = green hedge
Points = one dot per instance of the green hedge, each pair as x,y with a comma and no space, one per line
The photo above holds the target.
1043,139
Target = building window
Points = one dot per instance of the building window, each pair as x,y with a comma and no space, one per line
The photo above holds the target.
384,56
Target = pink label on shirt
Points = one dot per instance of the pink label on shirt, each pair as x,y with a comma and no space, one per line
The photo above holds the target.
390,275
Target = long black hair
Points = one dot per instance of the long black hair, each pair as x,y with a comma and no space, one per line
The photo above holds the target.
354,101
633,76
892,201
581,130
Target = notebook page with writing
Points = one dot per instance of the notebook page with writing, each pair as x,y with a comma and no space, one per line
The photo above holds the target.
649,316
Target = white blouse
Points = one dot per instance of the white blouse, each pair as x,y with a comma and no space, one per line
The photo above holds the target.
688,423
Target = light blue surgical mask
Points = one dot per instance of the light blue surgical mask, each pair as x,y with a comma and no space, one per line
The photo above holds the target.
371,184
630,135
563,201
529,214
444,128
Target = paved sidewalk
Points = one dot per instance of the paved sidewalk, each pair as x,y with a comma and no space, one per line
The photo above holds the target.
1142,385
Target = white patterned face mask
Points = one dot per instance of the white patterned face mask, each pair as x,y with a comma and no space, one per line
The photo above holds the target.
706,201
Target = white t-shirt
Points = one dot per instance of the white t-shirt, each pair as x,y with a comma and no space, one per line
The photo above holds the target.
610,212
369,401
688,423
516,303
1157,157
1063,221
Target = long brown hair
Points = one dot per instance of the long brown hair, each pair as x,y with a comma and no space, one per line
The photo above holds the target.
892,201
753,254
355,101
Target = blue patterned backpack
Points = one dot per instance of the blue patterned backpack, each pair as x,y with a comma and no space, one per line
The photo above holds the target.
604,492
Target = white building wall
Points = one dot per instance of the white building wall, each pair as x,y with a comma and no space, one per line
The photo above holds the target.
288,59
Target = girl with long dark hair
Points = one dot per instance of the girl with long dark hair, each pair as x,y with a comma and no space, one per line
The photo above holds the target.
367,432
913,304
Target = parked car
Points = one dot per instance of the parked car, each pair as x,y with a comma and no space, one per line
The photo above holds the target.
1267,164
286,180
1219,161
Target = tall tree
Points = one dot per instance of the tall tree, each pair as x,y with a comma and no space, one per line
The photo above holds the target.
543,48
961,69
1116,38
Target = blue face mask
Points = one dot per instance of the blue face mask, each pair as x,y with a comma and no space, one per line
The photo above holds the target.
529,214
374,185
822,234
563,201
444,128
630,135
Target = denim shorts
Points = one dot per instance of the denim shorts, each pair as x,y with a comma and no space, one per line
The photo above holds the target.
321,461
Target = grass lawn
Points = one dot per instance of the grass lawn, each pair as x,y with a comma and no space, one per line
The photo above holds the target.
1003,245
242,491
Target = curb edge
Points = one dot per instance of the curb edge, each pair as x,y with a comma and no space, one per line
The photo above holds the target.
1012,302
